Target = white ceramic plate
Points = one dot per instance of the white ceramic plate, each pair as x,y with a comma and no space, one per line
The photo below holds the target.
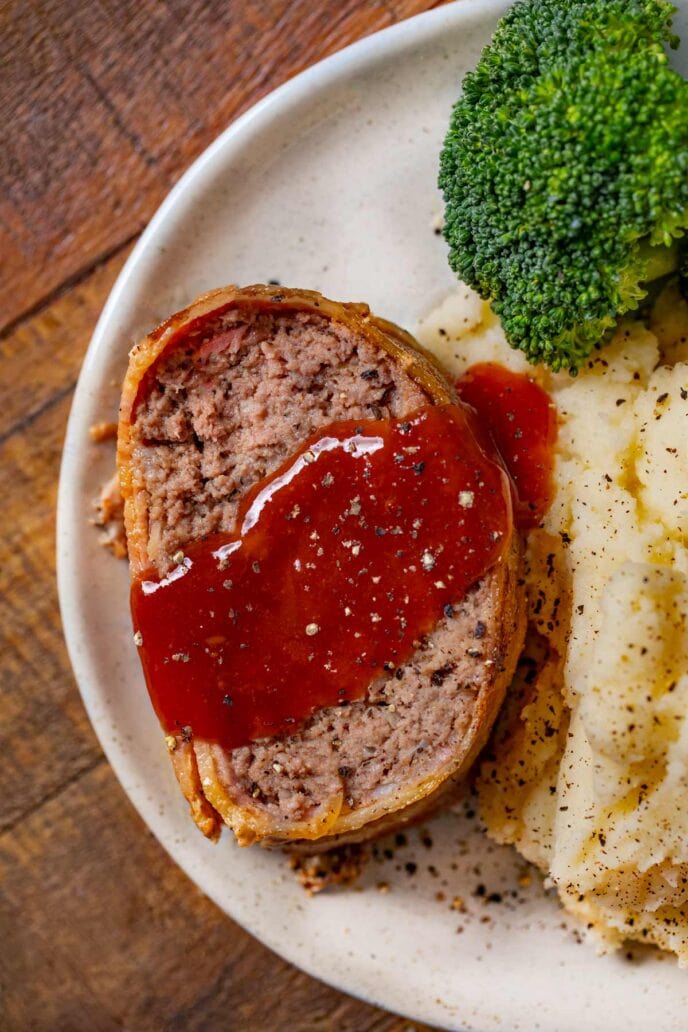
330,183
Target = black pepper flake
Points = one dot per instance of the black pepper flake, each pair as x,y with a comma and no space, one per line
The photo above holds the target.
479,630
277,297
227,700
662,398
411,868
439,676
370,374
620,401
274,283
343,771
380,531
449,611
419,468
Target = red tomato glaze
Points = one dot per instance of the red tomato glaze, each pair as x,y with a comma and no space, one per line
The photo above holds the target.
522,421
343,560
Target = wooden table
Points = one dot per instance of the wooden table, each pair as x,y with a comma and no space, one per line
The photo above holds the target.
103,104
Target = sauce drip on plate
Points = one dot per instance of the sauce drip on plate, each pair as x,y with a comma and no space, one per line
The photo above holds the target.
522,422
342,560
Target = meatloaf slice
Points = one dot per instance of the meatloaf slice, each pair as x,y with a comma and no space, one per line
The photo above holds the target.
215,400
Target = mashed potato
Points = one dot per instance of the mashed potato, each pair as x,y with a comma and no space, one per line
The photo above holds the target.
588,775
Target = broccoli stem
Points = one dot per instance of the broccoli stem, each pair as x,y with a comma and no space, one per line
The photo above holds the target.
661,260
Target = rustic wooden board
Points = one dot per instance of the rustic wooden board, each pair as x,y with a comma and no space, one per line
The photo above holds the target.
44,353
45,737
104,104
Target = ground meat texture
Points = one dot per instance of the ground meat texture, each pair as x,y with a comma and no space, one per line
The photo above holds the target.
229,405
410,723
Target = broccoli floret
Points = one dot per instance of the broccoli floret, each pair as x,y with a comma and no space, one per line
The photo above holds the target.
565,170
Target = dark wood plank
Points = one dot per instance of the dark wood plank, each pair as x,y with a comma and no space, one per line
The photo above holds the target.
63,165
106,933
45,352
106,102
45,737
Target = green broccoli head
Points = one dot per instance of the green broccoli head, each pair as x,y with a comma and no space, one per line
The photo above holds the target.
565,170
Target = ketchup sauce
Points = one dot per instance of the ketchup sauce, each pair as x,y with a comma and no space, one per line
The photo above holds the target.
341,562
522,422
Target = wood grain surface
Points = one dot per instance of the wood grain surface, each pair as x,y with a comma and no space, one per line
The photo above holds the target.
103,104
